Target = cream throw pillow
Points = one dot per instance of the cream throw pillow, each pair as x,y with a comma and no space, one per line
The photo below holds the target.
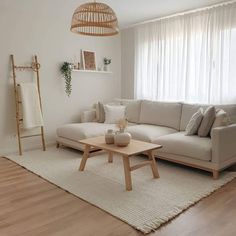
114,113
100,112
207,121
194,123
222,119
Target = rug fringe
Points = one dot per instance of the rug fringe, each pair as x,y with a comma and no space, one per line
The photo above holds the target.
156,223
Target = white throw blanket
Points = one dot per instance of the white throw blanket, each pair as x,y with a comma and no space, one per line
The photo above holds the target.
32,114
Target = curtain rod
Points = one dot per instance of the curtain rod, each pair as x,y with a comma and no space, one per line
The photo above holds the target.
180,14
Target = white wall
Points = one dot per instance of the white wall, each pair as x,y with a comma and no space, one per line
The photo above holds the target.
128,59
31,27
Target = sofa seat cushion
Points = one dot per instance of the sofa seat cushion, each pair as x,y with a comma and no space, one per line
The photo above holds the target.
78,131
191,146
149,133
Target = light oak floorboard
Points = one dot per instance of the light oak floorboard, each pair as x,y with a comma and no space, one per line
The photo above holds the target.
29,205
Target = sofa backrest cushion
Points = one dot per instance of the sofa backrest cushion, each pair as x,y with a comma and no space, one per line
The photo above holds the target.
161,113
133,111
189,109
133,107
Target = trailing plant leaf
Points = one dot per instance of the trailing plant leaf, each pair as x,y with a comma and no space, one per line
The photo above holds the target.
66,70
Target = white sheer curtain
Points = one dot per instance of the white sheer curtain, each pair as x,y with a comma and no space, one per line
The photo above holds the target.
190,58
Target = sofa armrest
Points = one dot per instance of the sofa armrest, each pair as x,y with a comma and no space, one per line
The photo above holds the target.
88,116
223,143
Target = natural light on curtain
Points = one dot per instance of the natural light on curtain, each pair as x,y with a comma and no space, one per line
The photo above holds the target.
190,57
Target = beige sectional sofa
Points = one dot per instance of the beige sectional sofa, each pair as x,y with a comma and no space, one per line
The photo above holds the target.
164,123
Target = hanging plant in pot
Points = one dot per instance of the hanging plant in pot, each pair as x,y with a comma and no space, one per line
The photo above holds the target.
66,70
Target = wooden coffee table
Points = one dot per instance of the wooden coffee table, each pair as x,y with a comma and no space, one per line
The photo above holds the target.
135,147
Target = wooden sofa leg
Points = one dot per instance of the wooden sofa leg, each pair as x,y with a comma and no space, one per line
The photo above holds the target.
215,174
58,145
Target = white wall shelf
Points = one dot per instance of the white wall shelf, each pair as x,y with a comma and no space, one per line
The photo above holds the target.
93,71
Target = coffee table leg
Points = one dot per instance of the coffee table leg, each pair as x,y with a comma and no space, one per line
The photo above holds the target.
127,171
153,164
85,157
110,157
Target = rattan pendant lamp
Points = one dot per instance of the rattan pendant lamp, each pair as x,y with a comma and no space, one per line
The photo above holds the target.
94,19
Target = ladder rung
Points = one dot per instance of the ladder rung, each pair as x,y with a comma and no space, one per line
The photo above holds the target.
28,136
22,67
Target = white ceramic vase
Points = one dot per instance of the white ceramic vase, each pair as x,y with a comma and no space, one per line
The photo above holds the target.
122,139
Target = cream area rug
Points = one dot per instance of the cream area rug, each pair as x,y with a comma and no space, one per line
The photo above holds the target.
151,203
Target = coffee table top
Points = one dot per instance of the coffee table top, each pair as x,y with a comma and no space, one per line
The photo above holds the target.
133,148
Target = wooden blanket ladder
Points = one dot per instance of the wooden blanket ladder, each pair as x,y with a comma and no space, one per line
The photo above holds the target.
35,66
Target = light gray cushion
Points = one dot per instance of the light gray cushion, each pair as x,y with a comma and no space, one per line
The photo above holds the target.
187,112
222,119
207,121
101,113
189,146
161,113
132,112
148,133
230,109
132,109
88,116
194,123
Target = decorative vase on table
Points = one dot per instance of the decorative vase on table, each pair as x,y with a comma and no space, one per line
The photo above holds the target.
109,136
122,138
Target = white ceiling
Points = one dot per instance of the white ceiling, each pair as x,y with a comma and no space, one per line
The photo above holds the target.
134,11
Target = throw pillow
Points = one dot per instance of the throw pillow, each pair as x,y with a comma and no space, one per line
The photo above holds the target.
194,123
222,119
114,113
97,111
101,113
207,121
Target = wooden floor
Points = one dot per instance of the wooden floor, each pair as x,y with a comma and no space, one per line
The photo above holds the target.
31,206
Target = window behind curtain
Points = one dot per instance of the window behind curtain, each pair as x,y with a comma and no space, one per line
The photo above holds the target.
188,58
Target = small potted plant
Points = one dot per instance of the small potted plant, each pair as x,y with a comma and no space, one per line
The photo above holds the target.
106,62
66,70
